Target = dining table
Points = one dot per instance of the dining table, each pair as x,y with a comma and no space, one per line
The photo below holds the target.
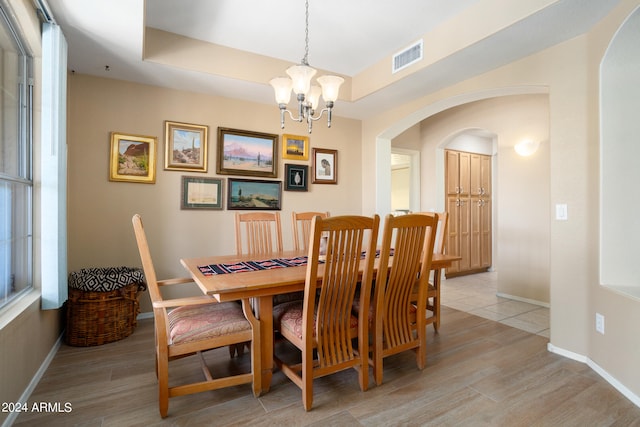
260,277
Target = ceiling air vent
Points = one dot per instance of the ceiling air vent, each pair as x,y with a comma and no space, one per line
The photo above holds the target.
406,57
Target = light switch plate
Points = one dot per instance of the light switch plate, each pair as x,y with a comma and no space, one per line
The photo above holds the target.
561,212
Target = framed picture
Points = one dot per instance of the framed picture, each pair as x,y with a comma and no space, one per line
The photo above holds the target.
325,166
295,147
242,152
254,194
201,193
133,158
185,147
296,177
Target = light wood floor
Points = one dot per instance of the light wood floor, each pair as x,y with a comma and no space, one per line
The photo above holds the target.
480,373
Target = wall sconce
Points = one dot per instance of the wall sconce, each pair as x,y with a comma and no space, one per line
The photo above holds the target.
526,147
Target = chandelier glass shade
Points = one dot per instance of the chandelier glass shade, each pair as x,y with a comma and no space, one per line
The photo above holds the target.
307,94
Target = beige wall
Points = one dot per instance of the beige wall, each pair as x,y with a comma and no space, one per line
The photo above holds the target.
100,211
569,73
521,185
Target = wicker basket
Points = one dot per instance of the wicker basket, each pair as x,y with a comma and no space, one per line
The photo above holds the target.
100,317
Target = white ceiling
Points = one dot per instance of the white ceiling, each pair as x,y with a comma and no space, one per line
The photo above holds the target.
345,36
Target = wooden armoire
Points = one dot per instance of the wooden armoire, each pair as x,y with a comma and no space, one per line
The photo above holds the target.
468,193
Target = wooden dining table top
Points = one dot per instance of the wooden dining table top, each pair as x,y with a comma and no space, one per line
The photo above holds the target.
232,286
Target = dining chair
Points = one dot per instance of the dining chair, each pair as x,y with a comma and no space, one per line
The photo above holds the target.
262,232
258,233
322,326
193,326
396,322
433,303
301,227
433,291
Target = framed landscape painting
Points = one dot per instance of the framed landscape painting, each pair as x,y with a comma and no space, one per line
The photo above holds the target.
132,158
242,152
254,194
185,147
295,147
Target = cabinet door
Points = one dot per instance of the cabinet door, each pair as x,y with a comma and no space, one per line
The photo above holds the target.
452,173
475,174
464,181
485,176
464,212
485,233
475,233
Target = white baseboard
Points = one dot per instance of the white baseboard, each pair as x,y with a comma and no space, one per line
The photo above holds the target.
635,399
34,381
146,315
527,300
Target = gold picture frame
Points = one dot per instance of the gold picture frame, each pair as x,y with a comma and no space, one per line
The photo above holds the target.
295,147
185,147
133,158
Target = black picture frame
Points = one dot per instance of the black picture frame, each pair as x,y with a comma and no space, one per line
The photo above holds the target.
296,177
254,194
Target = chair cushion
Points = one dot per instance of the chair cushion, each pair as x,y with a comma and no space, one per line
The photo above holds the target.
289,316
356,307
200,322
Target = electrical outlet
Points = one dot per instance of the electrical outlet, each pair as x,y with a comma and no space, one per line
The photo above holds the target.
600,323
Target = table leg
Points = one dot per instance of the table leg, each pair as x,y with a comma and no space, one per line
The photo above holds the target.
265,314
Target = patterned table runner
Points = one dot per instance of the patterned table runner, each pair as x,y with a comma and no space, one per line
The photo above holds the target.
267,264
245,266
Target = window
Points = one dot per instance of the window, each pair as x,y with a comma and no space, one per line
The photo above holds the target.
16,235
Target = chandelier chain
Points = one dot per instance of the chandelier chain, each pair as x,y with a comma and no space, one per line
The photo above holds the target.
305,60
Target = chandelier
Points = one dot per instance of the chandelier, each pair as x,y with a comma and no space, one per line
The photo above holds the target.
308,95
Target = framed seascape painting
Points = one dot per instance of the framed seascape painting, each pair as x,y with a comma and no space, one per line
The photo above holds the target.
201,193
295,147
242,152
296,177
132,158
185,147
254,194
325,166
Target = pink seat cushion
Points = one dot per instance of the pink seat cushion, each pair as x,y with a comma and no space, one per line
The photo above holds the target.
200,322
289,316
356,308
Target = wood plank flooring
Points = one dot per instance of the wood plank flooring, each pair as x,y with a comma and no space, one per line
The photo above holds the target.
480,373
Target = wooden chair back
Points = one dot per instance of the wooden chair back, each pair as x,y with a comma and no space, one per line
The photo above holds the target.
262,233
301,227
433,292
194,325
328,325
396,327
441,234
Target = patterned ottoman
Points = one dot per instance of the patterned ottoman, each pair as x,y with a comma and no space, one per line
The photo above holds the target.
102,305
